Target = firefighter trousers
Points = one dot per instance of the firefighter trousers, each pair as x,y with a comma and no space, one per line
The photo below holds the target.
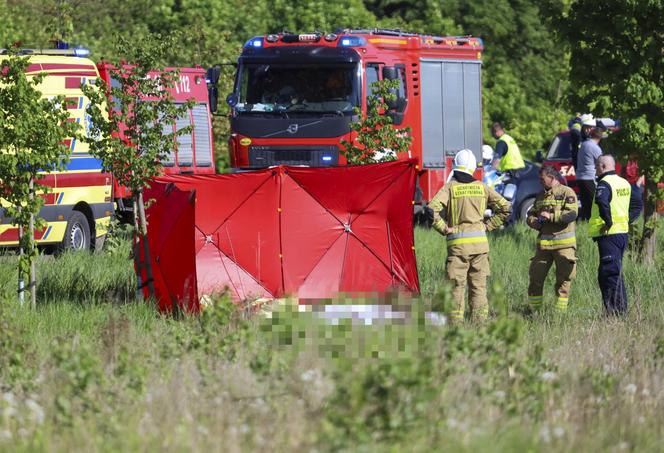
565,260
471,269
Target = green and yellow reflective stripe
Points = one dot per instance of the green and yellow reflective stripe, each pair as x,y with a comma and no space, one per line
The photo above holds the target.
561,305
476,240
551,202
456,314
557,239
466,237
535,300
482,312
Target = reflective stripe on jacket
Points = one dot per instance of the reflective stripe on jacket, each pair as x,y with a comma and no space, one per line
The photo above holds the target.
559,231
512,159
461,207
621,192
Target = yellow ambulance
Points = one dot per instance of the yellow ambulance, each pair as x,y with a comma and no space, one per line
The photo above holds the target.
79,206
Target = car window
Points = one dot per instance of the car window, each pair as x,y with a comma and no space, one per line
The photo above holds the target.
561,148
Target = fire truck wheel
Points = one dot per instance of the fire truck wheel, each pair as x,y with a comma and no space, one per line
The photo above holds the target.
77,235
526,206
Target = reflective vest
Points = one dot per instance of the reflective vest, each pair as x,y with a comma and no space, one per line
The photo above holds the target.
621,192
512,159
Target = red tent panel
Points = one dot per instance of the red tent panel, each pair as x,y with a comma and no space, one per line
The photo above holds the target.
171,241
308,232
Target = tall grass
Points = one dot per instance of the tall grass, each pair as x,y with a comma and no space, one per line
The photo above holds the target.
92,369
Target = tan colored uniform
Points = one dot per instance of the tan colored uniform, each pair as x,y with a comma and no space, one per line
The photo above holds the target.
461,206
556,243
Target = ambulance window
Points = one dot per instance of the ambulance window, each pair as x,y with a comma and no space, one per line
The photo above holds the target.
185,143
371,76
202,135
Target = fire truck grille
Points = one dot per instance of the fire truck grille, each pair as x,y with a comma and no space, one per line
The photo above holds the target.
313,156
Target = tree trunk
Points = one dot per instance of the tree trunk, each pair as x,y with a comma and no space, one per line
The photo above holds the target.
649,238
21,281
31,233
137,253
33,271
143,233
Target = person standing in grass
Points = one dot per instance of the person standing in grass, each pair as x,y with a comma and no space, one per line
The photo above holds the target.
585,170
609,227
553,215
458,214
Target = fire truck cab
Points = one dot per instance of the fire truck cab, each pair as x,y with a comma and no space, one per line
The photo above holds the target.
295,96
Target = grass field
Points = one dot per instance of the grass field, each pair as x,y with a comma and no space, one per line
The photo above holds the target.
92,369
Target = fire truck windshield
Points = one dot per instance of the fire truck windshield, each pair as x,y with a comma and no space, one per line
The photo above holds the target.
309,89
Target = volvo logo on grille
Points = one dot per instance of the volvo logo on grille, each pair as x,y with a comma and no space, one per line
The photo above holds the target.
292,129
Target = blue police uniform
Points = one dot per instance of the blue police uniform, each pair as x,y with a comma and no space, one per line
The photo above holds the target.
609,226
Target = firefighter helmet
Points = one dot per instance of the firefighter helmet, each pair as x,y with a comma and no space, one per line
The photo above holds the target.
465,161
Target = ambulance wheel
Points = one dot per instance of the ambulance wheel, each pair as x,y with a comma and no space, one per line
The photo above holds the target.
77,234
526,206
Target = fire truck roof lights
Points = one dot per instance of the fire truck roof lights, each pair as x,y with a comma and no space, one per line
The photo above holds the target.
77,52
256,42
351,41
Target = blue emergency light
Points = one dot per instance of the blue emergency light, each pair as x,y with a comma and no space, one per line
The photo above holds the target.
327,158
351,41
255,43
81,52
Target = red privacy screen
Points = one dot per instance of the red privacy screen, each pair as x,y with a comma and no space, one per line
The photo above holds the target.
311,233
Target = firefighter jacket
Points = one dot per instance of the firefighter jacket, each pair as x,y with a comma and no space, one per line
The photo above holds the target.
558,232
512,159
615,218
461,207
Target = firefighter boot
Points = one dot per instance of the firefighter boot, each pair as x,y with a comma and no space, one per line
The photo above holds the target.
565,271
539,268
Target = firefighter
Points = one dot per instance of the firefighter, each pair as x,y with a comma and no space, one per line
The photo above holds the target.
507,150
609,227
553,215
459,208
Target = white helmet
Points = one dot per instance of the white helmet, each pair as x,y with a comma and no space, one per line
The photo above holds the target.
465,161
487,152
588,120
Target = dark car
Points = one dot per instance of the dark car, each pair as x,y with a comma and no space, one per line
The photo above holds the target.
520,189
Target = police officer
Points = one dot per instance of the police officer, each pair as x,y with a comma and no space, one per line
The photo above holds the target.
459,208
553,215
609,226
507,150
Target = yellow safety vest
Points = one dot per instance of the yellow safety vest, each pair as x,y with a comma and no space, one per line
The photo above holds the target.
512,159
621,192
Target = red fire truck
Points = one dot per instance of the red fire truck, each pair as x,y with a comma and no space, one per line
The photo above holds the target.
295,95
194,152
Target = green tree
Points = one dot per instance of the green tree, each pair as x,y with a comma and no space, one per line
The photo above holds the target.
129,138
377,140
617,68
421,16
32,132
